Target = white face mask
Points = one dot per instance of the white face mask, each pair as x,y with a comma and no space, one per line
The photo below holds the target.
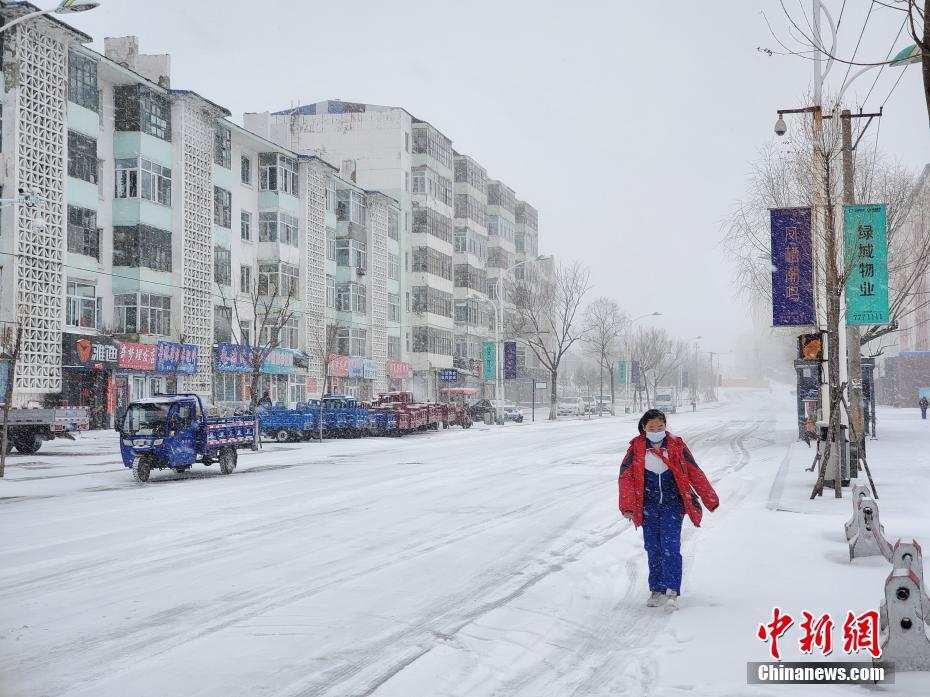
655,437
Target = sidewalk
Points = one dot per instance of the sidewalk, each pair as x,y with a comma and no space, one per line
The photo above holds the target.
780,548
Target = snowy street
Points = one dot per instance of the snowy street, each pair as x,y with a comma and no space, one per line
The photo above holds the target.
482,562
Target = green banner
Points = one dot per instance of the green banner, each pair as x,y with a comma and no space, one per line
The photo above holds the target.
621,372
865,232
489,358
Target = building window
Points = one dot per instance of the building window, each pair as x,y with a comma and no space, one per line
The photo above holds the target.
277,227
432,300
140,177
222,323
83,309
277,172
330,244
393,223
82,81
352,342
429,260
222,207
283,335
394,348
393,267
331,194
139,108
245,279
82,157
330,291
222,266
470,277
352,254
432,340
228,387
83,234
245,332
428,141
222,146
350,206
143,314
430,222
278,278
351,297
289,335
245,225
245,170
136,246
394,307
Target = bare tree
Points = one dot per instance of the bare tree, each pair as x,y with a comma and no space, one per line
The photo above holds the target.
659,356
269,308
546,317
605,325
11,346
322,343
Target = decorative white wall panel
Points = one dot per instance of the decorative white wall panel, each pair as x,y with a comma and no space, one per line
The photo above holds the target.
314,264
378,235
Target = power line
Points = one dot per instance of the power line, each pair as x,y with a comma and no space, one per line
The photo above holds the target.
882,69
861,34
903,70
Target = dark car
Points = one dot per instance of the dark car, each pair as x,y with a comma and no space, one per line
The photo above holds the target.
484,406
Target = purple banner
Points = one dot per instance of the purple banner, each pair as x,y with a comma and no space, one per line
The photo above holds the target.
792,268
634,373
510,360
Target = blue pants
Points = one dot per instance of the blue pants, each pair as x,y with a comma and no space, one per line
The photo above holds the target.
663,513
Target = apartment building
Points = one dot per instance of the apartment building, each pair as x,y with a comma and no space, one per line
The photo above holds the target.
159,222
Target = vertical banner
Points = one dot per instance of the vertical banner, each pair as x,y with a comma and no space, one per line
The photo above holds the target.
634,373
792,268
510,360
621,372
865,229
684,378
489,360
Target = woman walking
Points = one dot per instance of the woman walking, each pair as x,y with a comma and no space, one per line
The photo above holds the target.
660,482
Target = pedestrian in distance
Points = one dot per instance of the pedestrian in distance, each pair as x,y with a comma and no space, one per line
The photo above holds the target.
265,401
923,403
660,482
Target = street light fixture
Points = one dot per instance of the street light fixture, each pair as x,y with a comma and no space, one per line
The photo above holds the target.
64,7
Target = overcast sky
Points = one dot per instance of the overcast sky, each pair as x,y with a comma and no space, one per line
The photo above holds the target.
629,125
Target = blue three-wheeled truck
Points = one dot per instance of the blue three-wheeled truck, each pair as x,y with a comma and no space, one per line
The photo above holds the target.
173,431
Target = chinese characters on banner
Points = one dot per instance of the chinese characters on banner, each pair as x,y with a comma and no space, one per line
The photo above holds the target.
634,372
860,633
792,267
489,359
137,356
510,360
865,234
621,373
398,370
449,375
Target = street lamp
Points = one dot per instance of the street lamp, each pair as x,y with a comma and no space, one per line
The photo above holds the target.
63,7
498,329
629,351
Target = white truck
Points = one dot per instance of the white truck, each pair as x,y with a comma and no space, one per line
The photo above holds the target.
29,426
666,399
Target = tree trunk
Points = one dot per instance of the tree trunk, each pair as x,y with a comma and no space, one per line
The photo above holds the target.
554,395
926,55
256,376
612,412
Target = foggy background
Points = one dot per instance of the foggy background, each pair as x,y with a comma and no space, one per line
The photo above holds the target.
629,125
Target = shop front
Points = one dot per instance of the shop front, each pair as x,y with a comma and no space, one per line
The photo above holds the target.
399,373
283,376
88,364
148,370
353,376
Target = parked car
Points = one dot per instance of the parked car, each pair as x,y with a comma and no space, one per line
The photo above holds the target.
590,405
571,407
483,406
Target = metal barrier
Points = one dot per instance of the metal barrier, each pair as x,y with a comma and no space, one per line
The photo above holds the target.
859,492
904,616
866,534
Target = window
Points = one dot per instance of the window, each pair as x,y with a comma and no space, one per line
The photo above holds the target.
352,342
330,244
432,300
83,309
432,340
330,291
139,108
352,254
393,348
245,170
469,207
222,323
245,226
283,335
82,81
350,206
470,277
330,194
429,260
277,172
277,227
137,246
222,207
467,172
222,266
428,141
140,177
519,242
222,146
393,223
279,278
393,267
227,387
82,157
351,297
289,334
430,222
143,314
83,234
245,279
393,307
471,312
245,331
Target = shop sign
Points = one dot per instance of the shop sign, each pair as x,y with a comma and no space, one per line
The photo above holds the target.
80,351
137,356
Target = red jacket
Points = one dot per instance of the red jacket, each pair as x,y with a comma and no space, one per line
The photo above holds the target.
691,481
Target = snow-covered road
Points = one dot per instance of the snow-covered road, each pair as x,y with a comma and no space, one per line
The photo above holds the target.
481,562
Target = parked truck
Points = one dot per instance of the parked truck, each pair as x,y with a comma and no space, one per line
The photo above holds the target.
29,427
666,399
174,431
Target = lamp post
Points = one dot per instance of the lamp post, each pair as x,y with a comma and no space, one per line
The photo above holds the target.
629,352
498,330
63,7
